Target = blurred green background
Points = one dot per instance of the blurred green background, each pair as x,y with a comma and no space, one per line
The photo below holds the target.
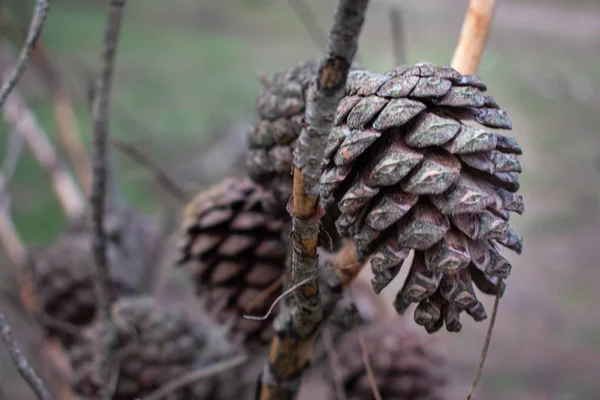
187,76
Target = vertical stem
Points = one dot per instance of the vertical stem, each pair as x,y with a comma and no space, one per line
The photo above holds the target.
101,118
473,36
397,26
297,328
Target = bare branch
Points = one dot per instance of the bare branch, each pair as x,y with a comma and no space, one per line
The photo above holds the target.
195,376
161,176
11,240
35,29
368,367
11,159
309,20
22,120
473,36
27,372
486,344
64,115
101,117
334,363
397,28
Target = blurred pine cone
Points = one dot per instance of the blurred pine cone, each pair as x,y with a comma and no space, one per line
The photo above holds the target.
407,172
154,346
406,365
64,281
272,140
236,255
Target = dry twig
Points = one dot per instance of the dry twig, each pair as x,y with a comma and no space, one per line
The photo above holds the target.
486,344
195,376
27,372
309,20
297,328
397,28
368,367
161,176
334,363
473,36
22,120
35,29
101,119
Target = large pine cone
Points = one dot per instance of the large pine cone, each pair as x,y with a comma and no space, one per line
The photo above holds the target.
406,366
272,140
236,255
154,345
407,173
64,281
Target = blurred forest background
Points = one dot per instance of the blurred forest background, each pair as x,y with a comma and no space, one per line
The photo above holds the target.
186,85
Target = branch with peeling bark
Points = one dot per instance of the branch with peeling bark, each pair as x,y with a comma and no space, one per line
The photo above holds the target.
297,329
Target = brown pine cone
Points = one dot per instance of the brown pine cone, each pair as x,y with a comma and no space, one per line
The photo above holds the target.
409,172
64,281
154,345
235,254
406,366
272,140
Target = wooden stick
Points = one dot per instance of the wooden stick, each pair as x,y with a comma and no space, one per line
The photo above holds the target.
22,119
35,29
27,372
473,36
397,28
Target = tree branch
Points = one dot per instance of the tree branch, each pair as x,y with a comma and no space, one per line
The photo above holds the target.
397,27
101,117
23,121
27,372
473,36
35,29
161,176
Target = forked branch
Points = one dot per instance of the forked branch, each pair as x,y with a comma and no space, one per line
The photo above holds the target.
27,372
473,36
35,29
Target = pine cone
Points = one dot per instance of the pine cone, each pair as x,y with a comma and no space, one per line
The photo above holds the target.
272,140
64,281
154,346
406,366
235,254
407,173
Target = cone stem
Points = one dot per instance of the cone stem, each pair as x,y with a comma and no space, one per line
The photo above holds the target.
473,36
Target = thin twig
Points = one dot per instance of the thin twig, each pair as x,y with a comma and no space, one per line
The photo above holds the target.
334,363
397,28
309,20
368,367
277,300
195,376
35,29
22,120
27,372
11,240
473,36
101,117
161,176
263,295
11,160
486,344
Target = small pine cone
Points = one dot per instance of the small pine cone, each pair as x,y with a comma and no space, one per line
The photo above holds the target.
272,140
406,365
236,255
154,345
64,279
409,174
